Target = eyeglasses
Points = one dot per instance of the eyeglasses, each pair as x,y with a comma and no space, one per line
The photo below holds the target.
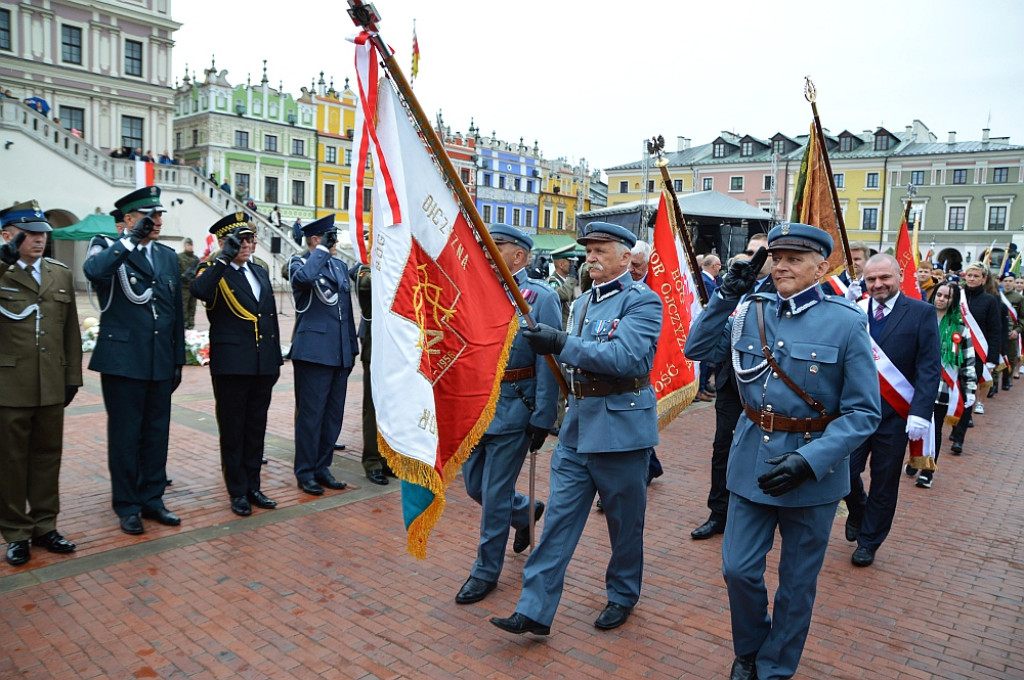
249,238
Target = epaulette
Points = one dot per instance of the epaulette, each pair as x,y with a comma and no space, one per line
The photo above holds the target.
537,282
761,296
56,262
842,302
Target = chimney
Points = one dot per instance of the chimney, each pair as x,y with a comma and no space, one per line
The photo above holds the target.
682,143
984,134
909,130
952,137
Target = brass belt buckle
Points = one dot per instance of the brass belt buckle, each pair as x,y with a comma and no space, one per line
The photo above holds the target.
770,417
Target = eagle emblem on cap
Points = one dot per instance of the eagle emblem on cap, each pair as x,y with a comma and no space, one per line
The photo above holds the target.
153,191
240,216
785,229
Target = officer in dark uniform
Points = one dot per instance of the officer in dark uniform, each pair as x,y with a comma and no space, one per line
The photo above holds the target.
245,358
40,370
605,442
522,417
99,242
187,264
323,353
139,352
809,398
374,465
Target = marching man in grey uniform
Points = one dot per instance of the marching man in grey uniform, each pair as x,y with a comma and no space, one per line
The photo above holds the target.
604,444
522,417
810,398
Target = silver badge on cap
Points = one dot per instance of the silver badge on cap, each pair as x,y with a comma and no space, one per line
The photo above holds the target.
785,229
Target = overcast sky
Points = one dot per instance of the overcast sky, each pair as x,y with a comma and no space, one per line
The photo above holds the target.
593,79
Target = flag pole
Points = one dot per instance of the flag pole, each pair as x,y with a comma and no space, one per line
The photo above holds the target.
655,147
365,16
811,95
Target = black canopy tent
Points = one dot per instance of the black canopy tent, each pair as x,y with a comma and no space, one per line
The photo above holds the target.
722,222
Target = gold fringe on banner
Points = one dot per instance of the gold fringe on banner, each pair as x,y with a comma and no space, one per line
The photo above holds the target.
923,463
951,420
419,473
674,403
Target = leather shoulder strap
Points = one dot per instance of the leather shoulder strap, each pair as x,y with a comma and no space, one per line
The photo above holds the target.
811,401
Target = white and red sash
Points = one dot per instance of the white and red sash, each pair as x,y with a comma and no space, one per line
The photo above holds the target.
955,408
980,343
898,392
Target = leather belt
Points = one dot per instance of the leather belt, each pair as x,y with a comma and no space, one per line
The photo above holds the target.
770,421
514,374
603,388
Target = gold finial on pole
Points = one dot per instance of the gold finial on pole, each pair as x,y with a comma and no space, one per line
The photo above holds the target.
810,92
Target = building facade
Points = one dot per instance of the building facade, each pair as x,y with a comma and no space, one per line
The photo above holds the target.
258,139
969,195
508,182
102,68
565,191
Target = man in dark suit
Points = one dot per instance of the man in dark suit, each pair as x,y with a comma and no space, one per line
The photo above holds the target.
245,357
323,353
139,352
41,371
907,332
727,413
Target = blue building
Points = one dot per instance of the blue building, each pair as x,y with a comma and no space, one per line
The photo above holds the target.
508,182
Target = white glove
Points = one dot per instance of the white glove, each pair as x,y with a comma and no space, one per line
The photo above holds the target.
917,428
969,400
854,292
990,366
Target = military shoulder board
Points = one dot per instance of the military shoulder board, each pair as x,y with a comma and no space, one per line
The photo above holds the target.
56,262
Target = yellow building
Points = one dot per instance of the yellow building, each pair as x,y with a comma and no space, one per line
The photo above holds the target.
564,192
335,123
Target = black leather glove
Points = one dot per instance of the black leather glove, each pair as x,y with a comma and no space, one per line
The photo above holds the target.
143,228
537,436
790,471
176,380
69,394
232,245
544,339
9,252
742,276
330,239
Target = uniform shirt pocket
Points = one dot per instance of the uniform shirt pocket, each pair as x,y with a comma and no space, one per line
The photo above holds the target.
631,401
811,360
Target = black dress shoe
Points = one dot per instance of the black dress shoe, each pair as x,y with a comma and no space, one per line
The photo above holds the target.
522,540
852,529
377,477
240,506
131,524
259,499
263,461
708,529
388,472
599,505
18,553
957,448
744,668
474,590
312,488
863,557
613,616
519,624
993,391
327,480
338,446
54,542
162,516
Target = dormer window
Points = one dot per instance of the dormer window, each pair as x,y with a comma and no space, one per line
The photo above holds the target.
882,142
846,143
747,149
779,146
718,150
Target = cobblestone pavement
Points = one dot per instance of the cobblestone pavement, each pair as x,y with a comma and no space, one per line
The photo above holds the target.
322,587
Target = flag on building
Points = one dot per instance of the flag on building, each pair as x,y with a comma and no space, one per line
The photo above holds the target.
415,53
673,375
812,199
442,322
906,259
143,173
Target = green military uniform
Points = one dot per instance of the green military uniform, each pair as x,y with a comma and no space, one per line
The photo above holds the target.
188,263
40,358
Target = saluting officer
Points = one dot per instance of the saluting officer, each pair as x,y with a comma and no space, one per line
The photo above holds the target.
605,442
323,353
245,357
40,376
522,417
809,398
139,352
